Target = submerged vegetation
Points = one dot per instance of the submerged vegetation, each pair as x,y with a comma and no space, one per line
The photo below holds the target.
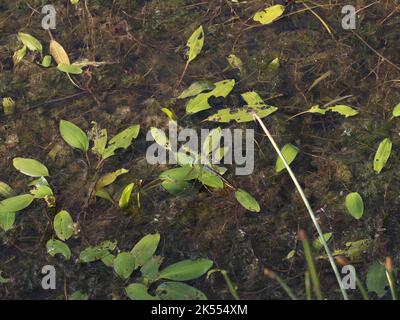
78,193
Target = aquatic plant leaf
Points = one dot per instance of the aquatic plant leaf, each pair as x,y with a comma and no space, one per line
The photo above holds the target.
124,264
195,43
15,204
317,109
343,110
289,152
30,42
30,167
355,205
2,279
253,100
126,195
160,137
19,55
74,136
42,192
317,243
376,279
184,173
274,64
212,141
396,111
108,260
179,291
46,62
58,53
240,115
235,62
151,268
99,142
5,190
69,68
145,248
196,88
78,295
58,247
63,225
109,178
98,252
138,291
211,180
270,14
200,102
74,2
382,155
170,114
7,220
186,270
247,201
175,187
104,194
356,250
122,140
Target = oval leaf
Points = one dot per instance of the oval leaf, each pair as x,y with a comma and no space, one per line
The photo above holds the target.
69,68
186,270
145,248
74,136
195,43
7,220
15,204
126,195
270,14
376,279
289,152
138,291
247,201
63,225
30,42
382,155
355,205
179,291
57,247
30,167
98,252
124,264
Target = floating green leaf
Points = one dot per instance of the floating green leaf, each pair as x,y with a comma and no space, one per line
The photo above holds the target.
355,205
124,264
19,55
15,204
69,68
343,110
151,268
317,109
186,270
317,244
74,136
240,115
184,173
289,152
30,167
42,192
98,252
235,62
195,43
63,225
382,155
396,111
138,291
376,279
160,137
57,247
145,248
212,141
179,291
30,42
170,114
247,201
122,140
2,279
7,220
5,190
200,102
126,195
109,178
175,187
108,260
99,141
196,88
270,14
46,61
211,180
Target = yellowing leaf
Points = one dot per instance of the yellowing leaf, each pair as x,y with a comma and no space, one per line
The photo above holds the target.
343,110
247,201
195,88
270,14
30,42
109,178
58,53
235,62
126,195
195,43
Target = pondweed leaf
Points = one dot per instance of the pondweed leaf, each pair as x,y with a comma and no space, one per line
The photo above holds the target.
108,260
58,53
396,111
41,192
138,291
160,137
235,62
186,270
355,205
195,43
151,268
7,220
46,62
196,88
74,136
212,141
69,68
270,14
19,55
145,248
179,291
211,180
63,225
317,109
98,252
15,204
99,141
200,102
170,114
30,167
109,178
343,110
176,187
184,173
317,244
5,190
122,140
376,279
30,42
124,264
289,152
58,247
126,195
382,155
247,201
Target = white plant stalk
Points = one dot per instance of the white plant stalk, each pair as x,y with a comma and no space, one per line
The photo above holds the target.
307,204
